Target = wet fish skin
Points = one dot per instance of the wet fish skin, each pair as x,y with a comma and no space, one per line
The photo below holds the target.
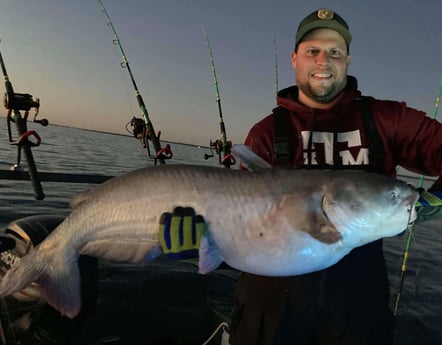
272,222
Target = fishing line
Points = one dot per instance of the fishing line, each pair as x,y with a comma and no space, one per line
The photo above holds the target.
222,326
125,79
275,53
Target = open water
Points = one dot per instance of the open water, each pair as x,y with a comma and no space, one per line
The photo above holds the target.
169,303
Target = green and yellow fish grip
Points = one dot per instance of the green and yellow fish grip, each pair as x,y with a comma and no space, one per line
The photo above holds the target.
429,205
180,233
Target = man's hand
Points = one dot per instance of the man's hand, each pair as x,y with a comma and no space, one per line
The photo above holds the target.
429,205
180,233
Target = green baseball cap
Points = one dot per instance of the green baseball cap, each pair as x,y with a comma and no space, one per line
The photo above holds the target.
323,18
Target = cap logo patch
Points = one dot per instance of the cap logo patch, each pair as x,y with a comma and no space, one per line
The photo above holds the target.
325,14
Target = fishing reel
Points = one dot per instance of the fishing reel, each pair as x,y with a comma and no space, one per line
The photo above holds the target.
23,102
20,101
221,149
140,131
17,240
21,236
25,314
214,146
137,129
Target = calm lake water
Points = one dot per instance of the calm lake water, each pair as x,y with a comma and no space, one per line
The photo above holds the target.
70,150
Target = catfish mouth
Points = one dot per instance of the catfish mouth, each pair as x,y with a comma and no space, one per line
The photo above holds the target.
413,215
414,197
323,207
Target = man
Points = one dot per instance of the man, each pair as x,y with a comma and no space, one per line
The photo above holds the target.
324,122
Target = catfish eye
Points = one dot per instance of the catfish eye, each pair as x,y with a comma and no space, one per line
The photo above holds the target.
394,195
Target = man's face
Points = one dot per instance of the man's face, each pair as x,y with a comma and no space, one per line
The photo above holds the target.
321,64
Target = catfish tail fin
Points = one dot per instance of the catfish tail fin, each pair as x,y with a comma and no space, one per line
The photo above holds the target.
58,279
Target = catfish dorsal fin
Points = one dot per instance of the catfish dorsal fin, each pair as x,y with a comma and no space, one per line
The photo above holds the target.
249,158
78,198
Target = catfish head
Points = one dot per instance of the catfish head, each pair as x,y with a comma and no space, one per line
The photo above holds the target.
368,207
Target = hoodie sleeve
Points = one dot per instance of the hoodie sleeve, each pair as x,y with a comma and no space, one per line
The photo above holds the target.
260,139
414,140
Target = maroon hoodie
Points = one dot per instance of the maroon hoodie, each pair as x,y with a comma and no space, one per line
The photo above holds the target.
336,137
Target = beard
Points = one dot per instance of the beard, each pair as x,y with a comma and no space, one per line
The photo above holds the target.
322,94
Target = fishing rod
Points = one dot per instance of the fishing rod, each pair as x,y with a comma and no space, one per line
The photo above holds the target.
15,103
144,135
221,146
275,53
411,228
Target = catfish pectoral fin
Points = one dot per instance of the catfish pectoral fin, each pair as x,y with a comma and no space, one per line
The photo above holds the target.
326,234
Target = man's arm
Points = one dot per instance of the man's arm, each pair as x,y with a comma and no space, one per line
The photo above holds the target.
429,204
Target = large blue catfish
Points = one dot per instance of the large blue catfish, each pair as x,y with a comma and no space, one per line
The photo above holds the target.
274,222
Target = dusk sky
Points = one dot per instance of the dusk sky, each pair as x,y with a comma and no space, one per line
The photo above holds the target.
61,51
